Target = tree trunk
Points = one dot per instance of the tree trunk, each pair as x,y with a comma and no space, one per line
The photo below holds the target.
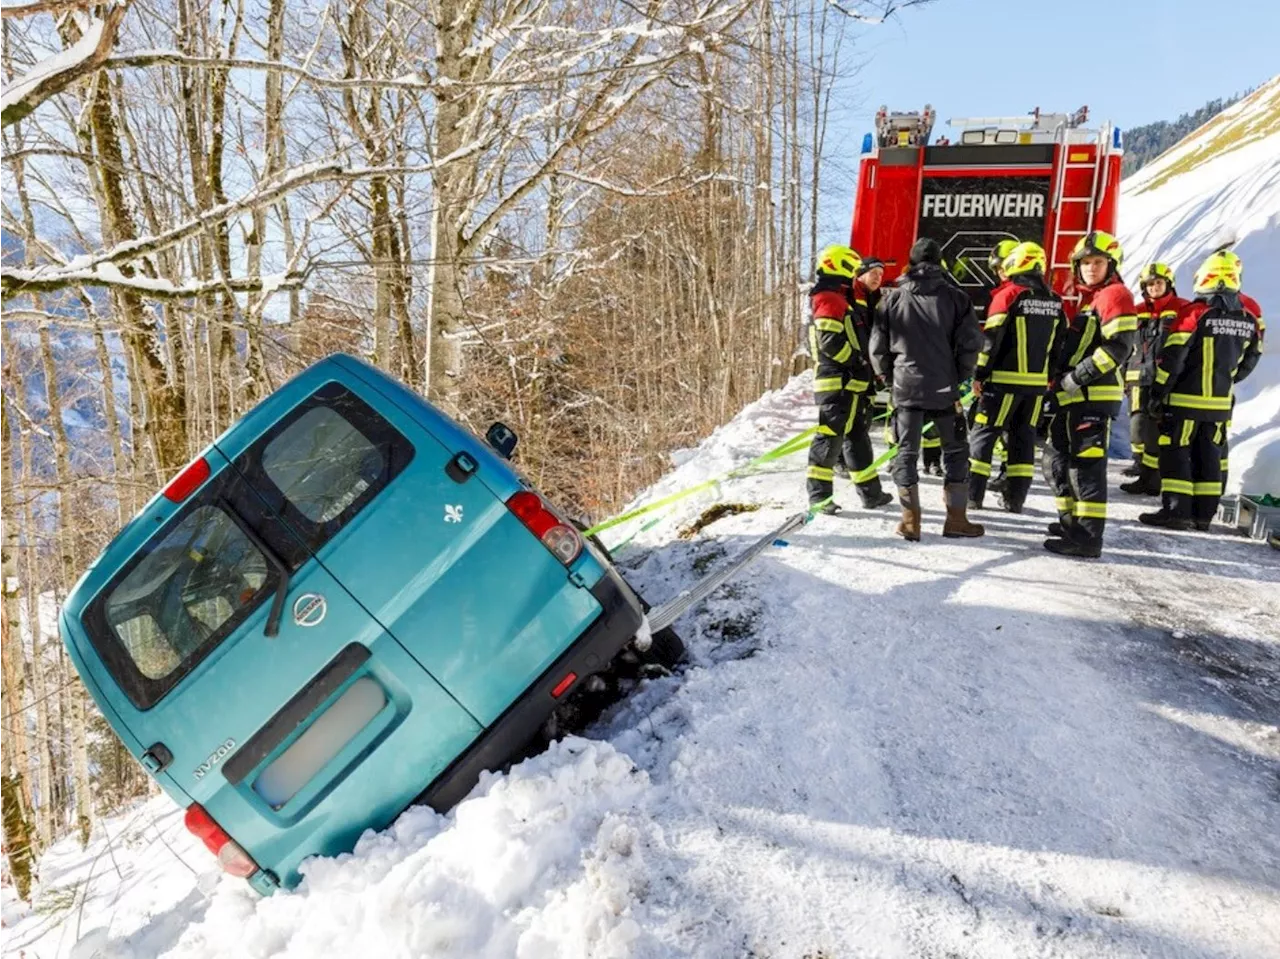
18,845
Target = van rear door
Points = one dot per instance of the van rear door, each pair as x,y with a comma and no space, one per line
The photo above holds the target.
438,559
261,722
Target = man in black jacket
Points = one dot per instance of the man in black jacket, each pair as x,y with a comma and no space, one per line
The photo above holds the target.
925,343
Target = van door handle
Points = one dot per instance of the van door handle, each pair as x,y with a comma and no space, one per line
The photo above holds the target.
462,467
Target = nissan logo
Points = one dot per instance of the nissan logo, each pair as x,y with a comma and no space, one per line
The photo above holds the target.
309,609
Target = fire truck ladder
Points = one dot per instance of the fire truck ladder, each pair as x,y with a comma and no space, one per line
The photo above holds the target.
1101,154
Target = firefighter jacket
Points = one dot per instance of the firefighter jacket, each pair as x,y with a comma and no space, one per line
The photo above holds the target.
925,339
1022,336
1213,344
838,359
1100,337
1154,319
1251,306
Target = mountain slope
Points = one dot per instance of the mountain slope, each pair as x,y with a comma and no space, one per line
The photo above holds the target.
945,749
1222,185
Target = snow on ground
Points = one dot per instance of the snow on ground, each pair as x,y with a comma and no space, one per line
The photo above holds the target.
1232,195
944,749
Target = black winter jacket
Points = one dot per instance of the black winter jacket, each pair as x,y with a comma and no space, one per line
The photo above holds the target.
926,339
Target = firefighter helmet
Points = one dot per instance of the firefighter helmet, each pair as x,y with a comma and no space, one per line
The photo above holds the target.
1098,243
1234,258
1026,257
840,261
1220,273
1156,271
998,254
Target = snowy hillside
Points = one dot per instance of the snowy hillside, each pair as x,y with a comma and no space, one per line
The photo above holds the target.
947,749
1220,185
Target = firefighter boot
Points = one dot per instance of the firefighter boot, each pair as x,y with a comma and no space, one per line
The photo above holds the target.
909,528
1165,519
872,496
957,523
977,490
1134,468
1147,483
1076,543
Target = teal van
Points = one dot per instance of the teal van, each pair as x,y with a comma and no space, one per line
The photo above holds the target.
345,605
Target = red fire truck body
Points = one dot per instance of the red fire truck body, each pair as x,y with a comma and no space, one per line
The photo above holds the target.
1041,177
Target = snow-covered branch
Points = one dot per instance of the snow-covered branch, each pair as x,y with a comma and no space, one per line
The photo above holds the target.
54,74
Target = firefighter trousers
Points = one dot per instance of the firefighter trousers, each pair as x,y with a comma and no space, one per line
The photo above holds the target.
1191,456
1144,428
908,429
1014,416
844,419
1075,466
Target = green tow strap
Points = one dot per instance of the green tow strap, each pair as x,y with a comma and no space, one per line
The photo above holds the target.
786,448
791,445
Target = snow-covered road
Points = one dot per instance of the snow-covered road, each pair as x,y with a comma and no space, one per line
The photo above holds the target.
948,749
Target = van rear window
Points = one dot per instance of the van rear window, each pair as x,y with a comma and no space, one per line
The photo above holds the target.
186,593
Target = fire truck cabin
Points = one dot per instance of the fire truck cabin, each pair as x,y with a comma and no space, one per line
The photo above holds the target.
1043,177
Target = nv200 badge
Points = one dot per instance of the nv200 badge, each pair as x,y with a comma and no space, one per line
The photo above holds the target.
215,757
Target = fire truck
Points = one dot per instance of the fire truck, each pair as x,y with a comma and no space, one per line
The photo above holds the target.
1043,176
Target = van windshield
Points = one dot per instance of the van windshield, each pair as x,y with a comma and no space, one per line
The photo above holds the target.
186,592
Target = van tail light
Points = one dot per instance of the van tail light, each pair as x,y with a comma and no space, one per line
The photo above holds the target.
231,857
188,481
556,535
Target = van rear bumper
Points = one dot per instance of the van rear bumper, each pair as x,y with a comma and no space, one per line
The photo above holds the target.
620,618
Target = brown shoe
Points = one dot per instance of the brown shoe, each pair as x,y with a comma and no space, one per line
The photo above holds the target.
957,524
909,528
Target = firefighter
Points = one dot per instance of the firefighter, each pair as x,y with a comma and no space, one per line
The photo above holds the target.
1156,313
925,343
1213,344
1022,334
1088,390
841,378
866,294
1251,305
995,263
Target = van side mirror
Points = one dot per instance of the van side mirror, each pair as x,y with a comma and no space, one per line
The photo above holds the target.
502,438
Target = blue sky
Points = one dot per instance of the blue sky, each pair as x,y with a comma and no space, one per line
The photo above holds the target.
1141,60
1137,61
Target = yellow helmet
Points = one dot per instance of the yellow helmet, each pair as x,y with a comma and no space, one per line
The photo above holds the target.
1026,257
1098,243
1156,271
1220,273
1234,257
998,254
838,260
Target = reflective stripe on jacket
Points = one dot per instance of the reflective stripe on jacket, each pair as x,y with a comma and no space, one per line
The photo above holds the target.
1214,343
1022,334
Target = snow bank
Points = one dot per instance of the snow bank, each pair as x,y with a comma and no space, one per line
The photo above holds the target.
545,862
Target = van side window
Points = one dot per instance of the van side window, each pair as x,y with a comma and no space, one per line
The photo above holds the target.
191,587
321,464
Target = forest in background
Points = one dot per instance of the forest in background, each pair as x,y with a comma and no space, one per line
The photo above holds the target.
591,221
1144,143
